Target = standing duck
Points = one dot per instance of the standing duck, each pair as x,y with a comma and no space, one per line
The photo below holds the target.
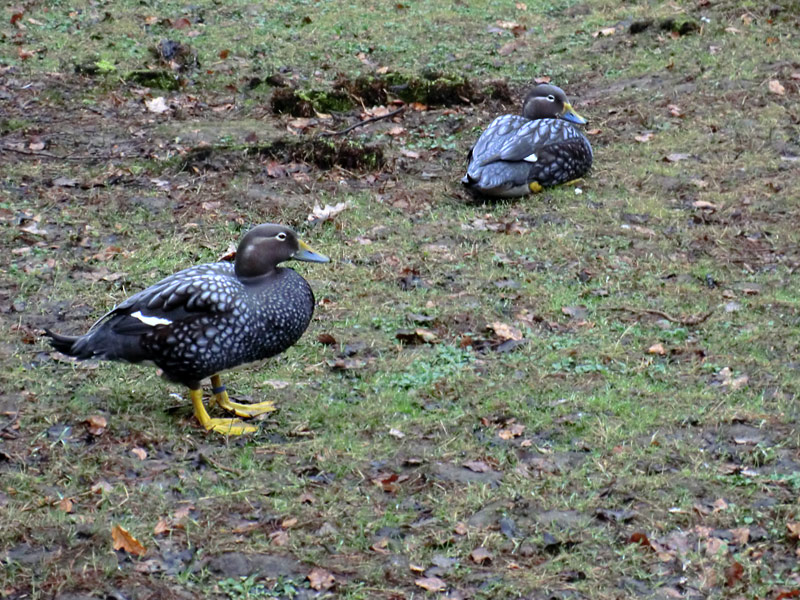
209,318
517,155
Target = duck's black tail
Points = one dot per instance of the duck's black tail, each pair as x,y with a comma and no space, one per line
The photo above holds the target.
64,343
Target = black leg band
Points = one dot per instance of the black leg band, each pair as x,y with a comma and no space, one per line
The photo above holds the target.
218,390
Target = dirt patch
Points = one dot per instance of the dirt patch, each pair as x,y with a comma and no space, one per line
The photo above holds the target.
321,152
431,89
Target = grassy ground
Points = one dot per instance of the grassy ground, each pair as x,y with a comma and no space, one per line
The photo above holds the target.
602,398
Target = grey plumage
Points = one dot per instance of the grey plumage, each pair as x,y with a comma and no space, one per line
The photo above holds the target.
540,147
207,318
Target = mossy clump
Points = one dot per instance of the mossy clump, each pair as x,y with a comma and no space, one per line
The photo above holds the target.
323,153
304,103
682,25
430,88
155,79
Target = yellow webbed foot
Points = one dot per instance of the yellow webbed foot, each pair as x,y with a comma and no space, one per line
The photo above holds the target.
535,187
224,426
241,410
230,426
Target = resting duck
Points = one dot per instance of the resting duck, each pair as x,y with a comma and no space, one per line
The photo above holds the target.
209,318
517,155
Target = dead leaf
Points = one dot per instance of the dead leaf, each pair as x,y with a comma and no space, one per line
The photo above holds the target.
140,453
734,573
677,157
380,546
657,349
183,512
477,466
511,46
704,204
505,331
419,335
320,215
794,530
460,528
515,431
719,505
181,23
65,505
674,110
480,555
432,584
279,538
409,153
125,541
741,535
716,547
396,433
163,526
307,498
156,105
604,32
643,138
776,87
96,424
101,487
320,579
543,79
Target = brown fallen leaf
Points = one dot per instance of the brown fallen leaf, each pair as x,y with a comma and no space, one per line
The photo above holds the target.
505,331
657,349
125,541
677,157
140,453
776,87
156,105
604,32
432,584
96,424
279,538
320,579
514,431
674,110
511,46
477,466
163,526
704,204
643,138
733,573
460,528
794,530
65,505
480,555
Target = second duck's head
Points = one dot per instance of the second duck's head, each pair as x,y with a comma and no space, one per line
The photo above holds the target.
549,102
265,246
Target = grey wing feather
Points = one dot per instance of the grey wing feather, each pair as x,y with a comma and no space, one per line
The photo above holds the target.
209,288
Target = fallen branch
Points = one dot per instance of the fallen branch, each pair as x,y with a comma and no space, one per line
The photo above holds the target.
364,122
694,320
48,154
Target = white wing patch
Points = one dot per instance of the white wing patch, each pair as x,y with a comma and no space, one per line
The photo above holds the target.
531,158
151,321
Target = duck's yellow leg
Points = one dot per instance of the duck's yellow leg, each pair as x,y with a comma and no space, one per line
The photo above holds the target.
241,410
225,426
574,181
535,187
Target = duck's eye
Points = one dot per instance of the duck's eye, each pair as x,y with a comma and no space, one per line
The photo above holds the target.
281,236
551,98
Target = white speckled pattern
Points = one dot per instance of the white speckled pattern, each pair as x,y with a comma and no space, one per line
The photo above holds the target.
217,321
